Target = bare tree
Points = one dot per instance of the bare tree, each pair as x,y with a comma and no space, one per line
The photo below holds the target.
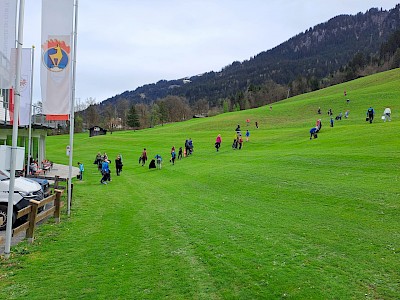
122,108
177,108
92,115
143,113
201,106
109,115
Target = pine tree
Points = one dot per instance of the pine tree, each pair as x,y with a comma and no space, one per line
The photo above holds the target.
133,118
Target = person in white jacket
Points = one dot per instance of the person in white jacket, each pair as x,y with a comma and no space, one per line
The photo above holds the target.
386,113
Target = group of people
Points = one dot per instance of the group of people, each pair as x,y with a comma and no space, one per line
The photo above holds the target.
156,162
385,117
314,131
33,167
103,165
370,117
238,138
189,147
103,162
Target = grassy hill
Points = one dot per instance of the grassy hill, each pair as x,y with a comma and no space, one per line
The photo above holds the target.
285,217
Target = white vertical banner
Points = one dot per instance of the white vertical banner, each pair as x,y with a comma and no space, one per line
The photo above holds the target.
24,83
25,87
56,66
8,20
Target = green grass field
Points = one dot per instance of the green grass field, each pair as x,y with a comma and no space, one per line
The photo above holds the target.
285,217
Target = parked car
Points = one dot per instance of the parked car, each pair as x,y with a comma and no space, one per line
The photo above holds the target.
44,183
24,190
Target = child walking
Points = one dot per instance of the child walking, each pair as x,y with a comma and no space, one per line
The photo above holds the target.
158,161
81,169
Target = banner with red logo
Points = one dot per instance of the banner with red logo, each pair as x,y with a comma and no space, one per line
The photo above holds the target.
56,65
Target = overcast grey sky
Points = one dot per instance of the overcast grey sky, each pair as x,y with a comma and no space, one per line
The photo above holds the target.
124,44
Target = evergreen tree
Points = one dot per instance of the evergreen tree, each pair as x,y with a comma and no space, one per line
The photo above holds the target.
133,118
163,112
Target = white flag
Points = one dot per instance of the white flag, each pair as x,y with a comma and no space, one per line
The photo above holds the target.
24,84
8,17
25,87
56,66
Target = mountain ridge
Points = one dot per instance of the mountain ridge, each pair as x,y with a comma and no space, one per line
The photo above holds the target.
317,52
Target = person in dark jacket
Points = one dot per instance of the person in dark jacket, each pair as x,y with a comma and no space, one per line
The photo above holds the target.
180,153
152,164
118,165
370,114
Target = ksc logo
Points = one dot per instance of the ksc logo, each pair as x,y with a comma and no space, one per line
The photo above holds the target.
56,55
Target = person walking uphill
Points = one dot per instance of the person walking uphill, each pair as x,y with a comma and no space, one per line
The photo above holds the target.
118,165
98,160
218,142
173,156
143,157
158,161
370,114
180,153
105,171
386,114
81,169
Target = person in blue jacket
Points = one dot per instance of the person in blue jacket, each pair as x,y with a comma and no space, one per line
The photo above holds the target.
105,171
313,133
158,160
81,169
247,135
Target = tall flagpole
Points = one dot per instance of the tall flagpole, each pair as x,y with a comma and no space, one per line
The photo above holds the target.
15,130
28,163
72,116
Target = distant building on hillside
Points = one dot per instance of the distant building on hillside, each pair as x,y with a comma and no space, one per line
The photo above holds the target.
200,116
96,130
116,123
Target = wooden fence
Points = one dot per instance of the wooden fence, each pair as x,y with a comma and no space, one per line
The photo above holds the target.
60,183
32,211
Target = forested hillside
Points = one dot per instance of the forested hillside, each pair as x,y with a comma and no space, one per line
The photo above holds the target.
318,52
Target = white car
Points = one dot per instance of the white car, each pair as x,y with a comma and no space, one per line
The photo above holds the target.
24,190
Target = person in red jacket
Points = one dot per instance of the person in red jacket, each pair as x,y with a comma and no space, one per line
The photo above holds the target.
143,158
218,142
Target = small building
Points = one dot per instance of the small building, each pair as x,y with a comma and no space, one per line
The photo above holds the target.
97,130
200,116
